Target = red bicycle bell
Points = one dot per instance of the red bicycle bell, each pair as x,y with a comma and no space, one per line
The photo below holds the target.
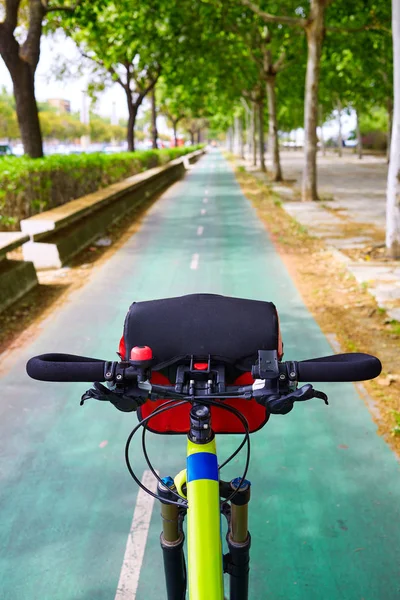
139,353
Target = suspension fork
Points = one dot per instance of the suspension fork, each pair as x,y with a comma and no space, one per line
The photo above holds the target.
237,560
171,540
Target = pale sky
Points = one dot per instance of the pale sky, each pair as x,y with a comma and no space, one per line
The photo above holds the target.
71,89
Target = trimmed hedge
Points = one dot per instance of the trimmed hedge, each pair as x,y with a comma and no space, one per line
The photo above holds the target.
30,186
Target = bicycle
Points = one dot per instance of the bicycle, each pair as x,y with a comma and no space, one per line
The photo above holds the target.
224,357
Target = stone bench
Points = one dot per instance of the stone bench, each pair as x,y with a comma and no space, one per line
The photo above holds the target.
55,236
17,277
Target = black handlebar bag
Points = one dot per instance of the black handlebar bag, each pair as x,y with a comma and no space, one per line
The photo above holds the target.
230,330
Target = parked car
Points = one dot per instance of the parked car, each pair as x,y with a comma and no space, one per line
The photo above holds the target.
5,150
350,143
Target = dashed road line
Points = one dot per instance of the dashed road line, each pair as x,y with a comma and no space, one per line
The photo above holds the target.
195,262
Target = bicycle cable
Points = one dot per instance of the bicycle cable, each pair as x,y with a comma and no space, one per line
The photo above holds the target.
169,405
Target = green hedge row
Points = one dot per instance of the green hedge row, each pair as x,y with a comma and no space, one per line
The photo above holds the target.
30,186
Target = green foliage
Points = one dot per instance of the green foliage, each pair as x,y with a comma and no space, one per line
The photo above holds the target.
29,186
56,125
396,428
101,130
61,126
375,120
8,118
356,66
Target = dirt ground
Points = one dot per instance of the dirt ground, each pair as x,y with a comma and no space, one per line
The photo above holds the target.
339,304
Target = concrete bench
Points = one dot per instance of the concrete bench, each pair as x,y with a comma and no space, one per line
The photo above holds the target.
17,277
55,236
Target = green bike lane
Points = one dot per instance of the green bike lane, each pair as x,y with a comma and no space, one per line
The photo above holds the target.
325,507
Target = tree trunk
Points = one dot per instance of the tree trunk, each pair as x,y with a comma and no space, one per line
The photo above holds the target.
175,123
315,34
389,134
131,128
254,133
199,136
393,185
261,134
273,129
230,139
339,120
192,138
241,138
23,78
27,111
154,133
249,135
21,62
359,138
236,136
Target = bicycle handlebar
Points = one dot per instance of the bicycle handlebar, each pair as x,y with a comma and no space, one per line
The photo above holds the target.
65,367
335,368
354,366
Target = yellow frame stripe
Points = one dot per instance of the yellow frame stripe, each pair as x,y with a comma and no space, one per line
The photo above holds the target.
205,571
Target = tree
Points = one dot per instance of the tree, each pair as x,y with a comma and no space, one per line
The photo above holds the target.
21,59
154,132
355,73
191,125
173,101
393,187
125,43
313,24
63,127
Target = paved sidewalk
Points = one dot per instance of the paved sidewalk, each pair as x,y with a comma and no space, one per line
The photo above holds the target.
351,216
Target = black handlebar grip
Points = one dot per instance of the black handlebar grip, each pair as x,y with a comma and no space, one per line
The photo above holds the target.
65,367
340,367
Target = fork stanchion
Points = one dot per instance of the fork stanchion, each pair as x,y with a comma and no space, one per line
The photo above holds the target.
171,540
237,561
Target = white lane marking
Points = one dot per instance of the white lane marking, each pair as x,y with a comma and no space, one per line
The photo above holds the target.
195,261
200,230
137,538
203,211
205,200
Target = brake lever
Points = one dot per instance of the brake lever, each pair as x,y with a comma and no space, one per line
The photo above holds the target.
123,401
281,405
307,392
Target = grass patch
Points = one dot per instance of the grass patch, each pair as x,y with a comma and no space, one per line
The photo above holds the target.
396,428
395,327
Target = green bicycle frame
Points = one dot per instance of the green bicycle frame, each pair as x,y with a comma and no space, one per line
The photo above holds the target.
206,563
205,568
